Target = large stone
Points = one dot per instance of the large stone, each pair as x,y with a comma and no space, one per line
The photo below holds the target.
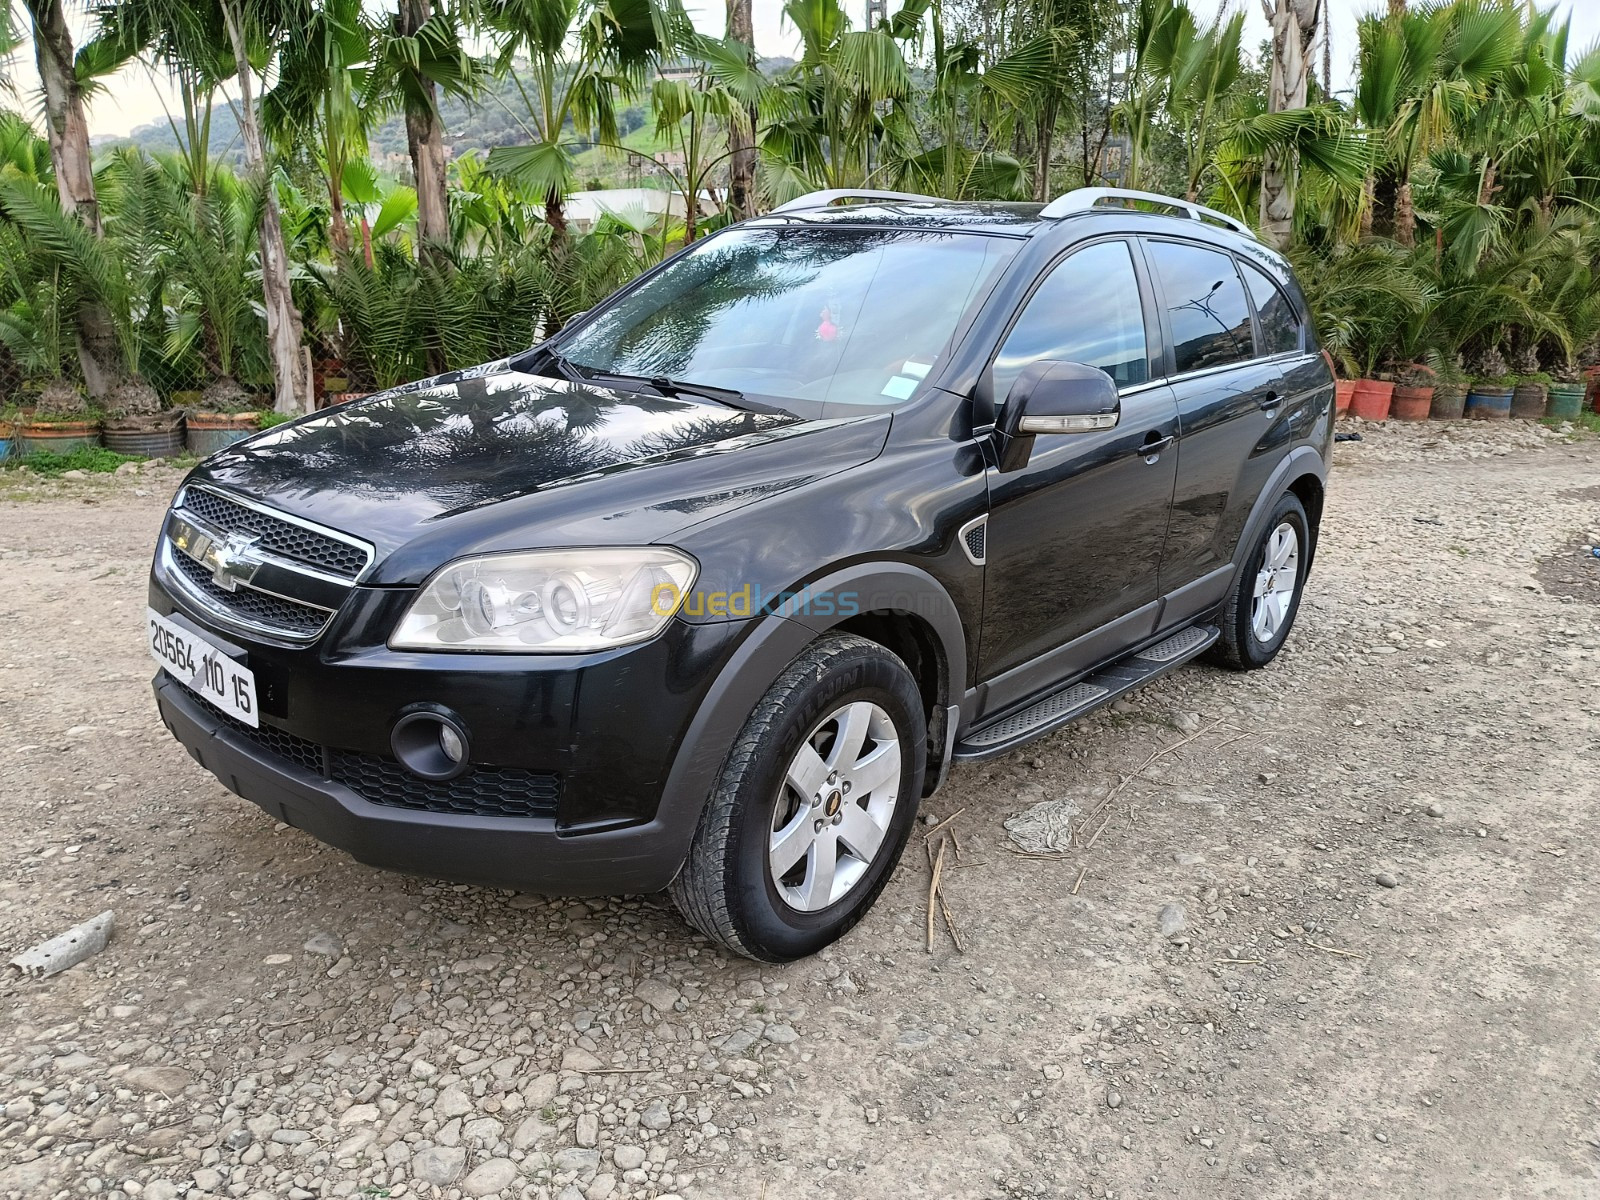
531,1132
452,1102
588,1130
360,1114
170,1080
628,1158
656,1115
438,1164
491,1178
577,1159
658,994
576,1058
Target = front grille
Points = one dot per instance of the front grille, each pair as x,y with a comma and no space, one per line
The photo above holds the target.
378,779
301,620
280,537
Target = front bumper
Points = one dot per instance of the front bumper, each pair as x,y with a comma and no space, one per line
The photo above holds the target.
529,854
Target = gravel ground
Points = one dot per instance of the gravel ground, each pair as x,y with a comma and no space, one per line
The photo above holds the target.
1338,935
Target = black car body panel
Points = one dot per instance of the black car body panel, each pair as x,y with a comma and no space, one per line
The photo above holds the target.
898,522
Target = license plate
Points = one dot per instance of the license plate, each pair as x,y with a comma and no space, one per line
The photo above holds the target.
203,668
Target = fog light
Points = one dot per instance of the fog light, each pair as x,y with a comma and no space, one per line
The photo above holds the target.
452,745
431,743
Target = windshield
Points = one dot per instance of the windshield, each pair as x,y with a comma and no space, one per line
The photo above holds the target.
819,321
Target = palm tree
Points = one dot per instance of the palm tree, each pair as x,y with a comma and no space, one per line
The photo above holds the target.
1295,24
741,136
64,76
823,114
580,55
322,73
418,55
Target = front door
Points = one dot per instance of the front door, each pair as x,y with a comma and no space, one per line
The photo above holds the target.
1075,537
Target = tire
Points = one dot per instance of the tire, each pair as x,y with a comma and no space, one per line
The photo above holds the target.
729,888
1242,645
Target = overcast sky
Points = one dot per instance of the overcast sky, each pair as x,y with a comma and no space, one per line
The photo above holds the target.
135,98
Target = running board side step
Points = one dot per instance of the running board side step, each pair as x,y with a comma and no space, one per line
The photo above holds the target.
1081,698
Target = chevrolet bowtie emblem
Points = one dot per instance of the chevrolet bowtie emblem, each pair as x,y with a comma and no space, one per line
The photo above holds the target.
232,561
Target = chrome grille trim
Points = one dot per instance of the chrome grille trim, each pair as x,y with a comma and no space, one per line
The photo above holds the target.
304,617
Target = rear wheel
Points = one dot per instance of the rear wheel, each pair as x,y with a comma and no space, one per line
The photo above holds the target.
813,805
1259,614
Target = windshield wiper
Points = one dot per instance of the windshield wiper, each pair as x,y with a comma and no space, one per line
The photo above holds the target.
673,388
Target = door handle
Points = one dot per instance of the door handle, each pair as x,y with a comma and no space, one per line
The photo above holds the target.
1153,445
1271,401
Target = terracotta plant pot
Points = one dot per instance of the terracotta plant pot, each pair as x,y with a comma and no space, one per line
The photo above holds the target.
210,432
1343,391
1372,399
1411,403
1527,401
1565,402
1449,400
59,437
1487,403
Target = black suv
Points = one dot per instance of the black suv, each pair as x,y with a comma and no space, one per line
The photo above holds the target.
710,589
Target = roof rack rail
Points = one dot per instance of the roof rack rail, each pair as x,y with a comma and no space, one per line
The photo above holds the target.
1084,199
814,200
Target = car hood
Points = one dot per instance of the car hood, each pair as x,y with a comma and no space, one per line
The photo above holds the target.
495,458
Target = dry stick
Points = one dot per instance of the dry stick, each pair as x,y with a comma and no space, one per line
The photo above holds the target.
1127,779
1334,950
944,822
950,924
933,889
1242,962
1081,873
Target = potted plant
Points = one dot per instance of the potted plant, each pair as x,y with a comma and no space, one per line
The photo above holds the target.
61,421
227,414
8,430
1567,389
1531,387
1492,386
136,423
1413,392
1344,391
1449,391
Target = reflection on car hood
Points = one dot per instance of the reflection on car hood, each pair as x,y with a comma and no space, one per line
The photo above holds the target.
440,453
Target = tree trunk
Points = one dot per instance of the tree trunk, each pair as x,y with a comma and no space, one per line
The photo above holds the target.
742,136
1405,215
425,137
1385,200
1294,27
284,329
68,128
338,226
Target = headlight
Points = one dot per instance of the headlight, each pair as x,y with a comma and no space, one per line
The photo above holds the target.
548,601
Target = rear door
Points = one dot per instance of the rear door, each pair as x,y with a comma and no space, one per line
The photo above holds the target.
1228,398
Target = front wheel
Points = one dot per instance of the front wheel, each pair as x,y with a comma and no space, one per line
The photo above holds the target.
1258,616
813,805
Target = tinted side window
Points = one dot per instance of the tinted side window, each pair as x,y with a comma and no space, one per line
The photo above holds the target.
1087,311
1280,328
1206,305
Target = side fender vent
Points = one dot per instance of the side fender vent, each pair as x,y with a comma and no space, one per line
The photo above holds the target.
974,540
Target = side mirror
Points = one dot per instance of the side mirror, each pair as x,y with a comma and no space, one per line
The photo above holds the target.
1051,397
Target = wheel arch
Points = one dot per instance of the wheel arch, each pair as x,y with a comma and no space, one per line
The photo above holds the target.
1303,473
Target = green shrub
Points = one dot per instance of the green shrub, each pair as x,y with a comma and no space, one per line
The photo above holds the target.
94,459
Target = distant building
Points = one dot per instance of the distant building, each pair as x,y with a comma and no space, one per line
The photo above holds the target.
638,206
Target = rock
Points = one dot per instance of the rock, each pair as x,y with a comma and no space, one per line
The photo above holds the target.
1188,860
277,960
601,1188
237,1140
452,1102
170,1080
1173,918
656,1115
628,1158
325,944
160,1189
438,1164
1113,1099
207,1180
531,1132
577,1159
657,993
576,1058
780,1035
360,1114
491,1178
588,1131
1436,810
1384,879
